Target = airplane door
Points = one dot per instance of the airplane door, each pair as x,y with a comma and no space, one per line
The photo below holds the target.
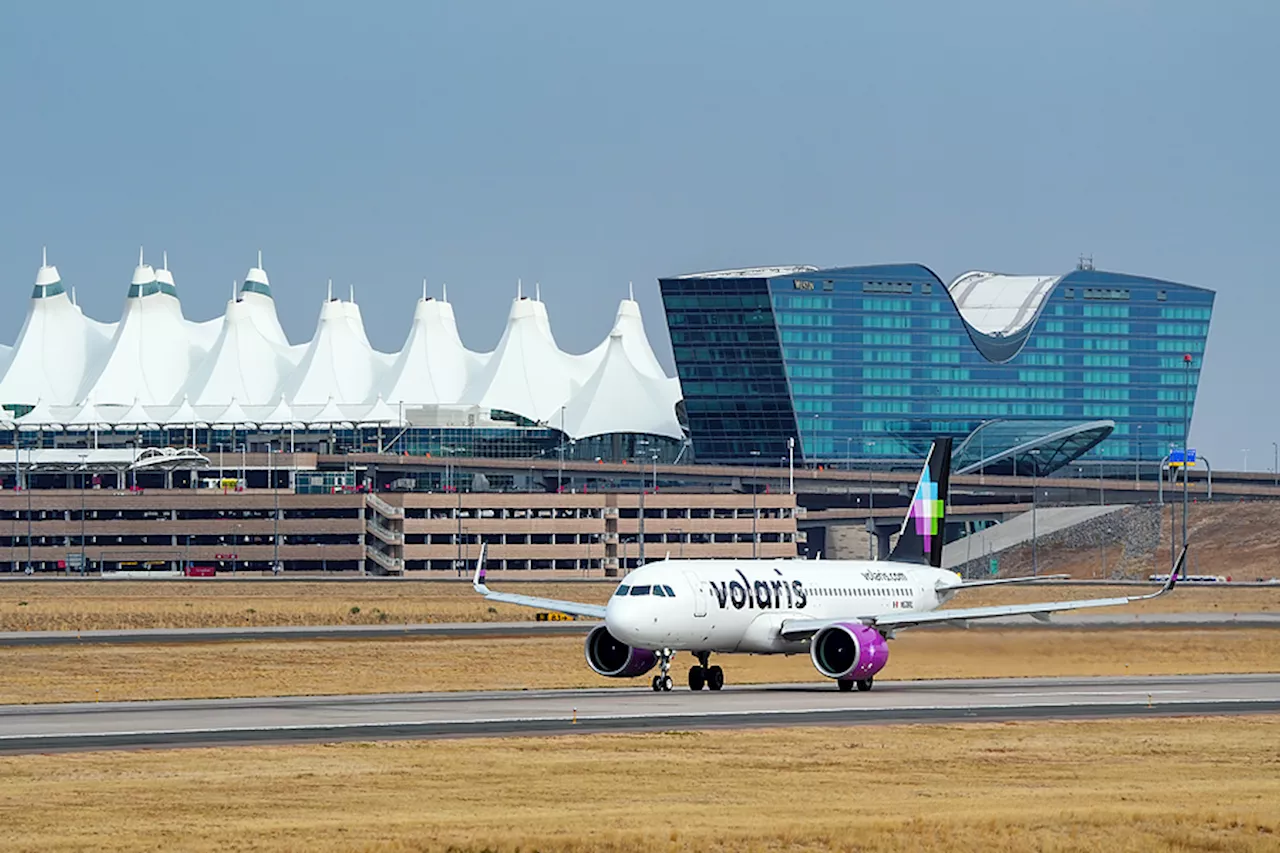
699,594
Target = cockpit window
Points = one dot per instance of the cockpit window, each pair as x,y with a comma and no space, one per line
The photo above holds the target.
658,591
670,592
622,589
639,590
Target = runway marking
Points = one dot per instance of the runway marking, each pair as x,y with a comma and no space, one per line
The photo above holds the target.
1102,693
693,715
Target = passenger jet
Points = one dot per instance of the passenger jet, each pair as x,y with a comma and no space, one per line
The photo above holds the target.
839,612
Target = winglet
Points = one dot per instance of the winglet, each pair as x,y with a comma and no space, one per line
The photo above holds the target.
1179,567
477,582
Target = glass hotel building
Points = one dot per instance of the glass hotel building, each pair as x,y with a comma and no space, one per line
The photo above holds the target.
873,362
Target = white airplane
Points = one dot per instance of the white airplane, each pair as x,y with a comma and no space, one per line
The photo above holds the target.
840,612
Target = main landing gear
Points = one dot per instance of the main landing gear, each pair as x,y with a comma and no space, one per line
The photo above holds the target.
847,684
703,675
663,683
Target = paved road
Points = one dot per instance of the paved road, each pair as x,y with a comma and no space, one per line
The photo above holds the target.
42,728
1116,619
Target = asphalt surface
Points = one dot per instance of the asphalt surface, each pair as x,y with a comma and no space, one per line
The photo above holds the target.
129,725
1117,619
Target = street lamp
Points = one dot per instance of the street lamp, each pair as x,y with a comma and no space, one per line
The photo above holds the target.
275,512
1245,451
791,464
83,469
1275,470
1137,456
871,499
755,455
1035,482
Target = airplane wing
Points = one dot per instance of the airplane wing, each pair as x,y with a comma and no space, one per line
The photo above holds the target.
799,628
999,582
573,608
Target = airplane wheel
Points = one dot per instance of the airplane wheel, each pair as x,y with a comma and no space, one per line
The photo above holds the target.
845,684
667,684
864,685
697,678
657,683
715,678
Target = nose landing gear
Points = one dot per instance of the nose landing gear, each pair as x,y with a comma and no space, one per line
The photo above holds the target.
703,675
663,683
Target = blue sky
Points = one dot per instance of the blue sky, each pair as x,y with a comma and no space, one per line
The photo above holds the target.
585,145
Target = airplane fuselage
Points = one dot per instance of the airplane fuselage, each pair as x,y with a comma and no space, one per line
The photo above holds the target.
740,605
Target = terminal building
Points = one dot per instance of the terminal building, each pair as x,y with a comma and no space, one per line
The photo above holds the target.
155,378
859,365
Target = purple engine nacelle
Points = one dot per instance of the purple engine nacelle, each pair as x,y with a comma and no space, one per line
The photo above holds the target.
849,650
613,658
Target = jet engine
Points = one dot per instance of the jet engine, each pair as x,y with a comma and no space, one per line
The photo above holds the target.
850,651
613,658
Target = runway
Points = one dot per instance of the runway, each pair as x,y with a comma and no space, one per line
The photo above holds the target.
45,728
1105,621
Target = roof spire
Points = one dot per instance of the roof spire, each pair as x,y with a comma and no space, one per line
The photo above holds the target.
233,290
519,288
537,291
424,290
73,295
165,259
444,292
352,292
631,291
259,259
329,297
44,256
139,256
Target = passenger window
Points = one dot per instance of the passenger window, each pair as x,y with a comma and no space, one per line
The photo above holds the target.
622,589
639,590
670,592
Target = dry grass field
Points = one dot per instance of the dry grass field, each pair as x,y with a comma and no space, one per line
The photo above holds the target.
1193,784
271,668
88,605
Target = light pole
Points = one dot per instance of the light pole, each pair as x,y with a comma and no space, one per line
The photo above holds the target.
1137,456
83,469
755,455
275,513
1035,482
871,500
1275,458
560,475
655,471
1245,451
27,483
848,457
791,464
1186,439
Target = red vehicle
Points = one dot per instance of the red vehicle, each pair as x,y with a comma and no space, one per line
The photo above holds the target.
200,571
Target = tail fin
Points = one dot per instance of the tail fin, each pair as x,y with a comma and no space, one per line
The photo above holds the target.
921,537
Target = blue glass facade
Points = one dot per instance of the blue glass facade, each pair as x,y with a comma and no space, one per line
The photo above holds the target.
877,361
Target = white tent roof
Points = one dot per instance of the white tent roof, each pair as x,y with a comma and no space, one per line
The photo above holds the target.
330,414
41,416
243,364
339,363
135,415
380,413
55,350
155,366
232,415
280,415
433,367
527,374
619,398
154,347
184,415
88,417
